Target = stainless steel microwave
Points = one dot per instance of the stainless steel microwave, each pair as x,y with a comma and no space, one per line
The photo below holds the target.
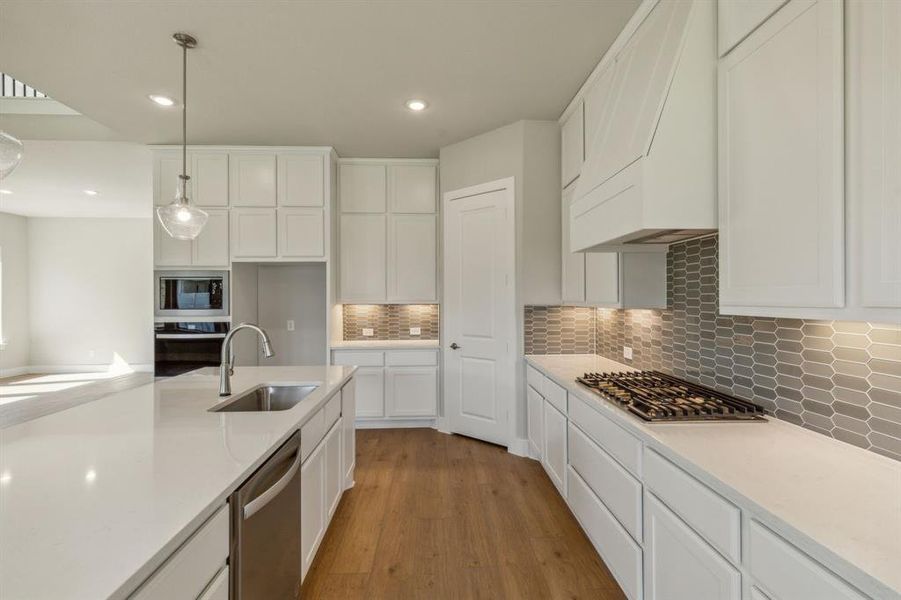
189,294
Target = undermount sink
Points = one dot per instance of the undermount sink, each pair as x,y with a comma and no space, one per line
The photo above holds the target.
267,398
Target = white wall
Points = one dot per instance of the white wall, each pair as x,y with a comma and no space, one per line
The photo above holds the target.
90,291
14,254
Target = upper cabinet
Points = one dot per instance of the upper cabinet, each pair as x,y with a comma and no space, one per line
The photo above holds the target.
649,133
737,18
572,145
781,162
388,232
265,204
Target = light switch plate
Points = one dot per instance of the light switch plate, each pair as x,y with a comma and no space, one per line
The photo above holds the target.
290,324
627,352
368,332
416,331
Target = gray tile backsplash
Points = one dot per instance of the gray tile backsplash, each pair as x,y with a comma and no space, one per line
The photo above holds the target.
390,321
841,379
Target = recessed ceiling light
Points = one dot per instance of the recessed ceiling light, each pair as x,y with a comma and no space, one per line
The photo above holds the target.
417,105
6,192
91,192
162,100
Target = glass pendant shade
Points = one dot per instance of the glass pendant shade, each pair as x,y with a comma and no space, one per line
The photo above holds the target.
11,151
181,219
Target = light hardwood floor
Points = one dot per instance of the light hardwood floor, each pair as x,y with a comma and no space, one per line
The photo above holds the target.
440,516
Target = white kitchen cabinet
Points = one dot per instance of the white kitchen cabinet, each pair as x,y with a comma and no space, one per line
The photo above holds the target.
301,232
334,471
168,251
738,18
411,391
253,233
596,106
412,259
413,188
300,180
166,169
210,248
312,506
602,278
781,163
363,268
554,456
209,178
348,436
679,564
218,588
572,145
252,179
536,422
370,393
363,187
573,266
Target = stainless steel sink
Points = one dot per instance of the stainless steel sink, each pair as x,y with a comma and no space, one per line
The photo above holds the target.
267,398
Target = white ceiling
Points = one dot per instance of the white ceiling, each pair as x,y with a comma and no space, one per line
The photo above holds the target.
52,177
312,72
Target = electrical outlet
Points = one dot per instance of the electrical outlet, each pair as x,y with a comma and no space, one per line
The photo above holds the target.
290,324
627,352
416,331
368,332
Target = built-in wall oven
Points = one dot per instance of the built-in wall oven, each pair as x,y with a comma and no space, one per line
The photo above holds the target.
182,346
189,294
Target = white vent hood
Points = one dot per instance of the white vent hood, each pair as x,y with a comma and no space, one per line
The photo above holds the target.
649,175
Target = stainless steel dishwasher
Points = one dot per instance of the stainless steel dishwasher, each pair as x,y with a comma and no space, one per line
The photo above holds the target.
265,536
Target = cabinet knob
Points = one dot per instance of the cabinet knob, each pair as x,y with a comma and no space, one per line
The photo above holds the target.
455,346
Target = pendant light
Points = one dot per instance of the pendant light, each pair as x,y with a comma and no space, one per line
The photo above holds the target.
181,219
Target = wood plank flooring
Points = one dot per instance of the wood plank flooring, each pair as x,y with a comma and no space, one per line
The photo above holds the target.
439,516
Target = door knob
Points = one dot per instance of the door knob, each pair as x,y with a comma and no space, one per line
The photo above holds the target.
455,346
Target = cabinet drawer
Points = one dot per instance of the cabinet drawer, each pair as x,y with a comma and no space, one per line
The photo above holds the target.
411,358
619,551
554,394
617,489
332,410
359,358
534,378
218,588
190,569
311,433
712,516
785,572
620,444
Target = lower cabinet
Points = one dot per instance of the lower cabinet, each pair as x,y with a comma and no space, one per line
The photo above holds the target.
370,392
348,434
554,455
411,391
536,422
334,471
218,588
679,564
312,506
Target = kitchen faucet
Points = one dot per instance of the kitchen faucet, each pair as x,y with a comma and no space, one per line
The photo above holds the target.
227,368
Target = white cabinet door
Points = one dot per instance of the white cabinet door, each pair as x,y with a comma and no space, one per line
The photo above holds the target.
411,391
554,455
301,232
349,437
252,179
253,232
737,18
312,506
209,176
781,162
572,146
412,188
573,271
597,103
168,251
370,392
362,188
874,130
536,422
363,261
218,588
412,259
167,168
602,279
211,246
679,564
300,180
334,471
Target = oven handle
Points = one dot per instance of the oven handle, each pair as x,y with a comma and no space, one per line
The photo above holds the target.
263,499
190,336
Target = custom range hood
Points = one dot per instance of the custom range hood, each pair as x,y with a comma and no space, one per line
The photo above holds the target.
649,175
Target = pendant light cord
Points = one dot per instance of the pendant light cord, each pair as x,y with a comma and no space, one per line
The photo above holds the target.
184,112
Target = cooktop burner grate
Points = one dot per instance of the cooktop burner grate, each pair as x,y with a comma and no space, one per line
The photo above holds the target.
655,396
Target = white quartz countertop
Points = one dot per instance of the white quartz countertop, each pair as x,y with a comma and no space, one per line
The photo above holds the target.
94,498
839,503
385,344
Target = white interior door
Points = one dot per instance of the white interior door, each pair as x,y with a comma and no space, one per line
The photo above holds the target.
479,311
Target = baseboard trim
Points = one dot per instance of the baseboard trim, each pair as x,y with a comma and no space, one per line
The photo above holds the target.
519,447
394,423
14,371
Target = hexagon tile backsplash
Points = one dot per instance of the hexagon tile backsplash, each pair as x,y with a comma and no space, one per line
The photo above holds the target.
841,379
